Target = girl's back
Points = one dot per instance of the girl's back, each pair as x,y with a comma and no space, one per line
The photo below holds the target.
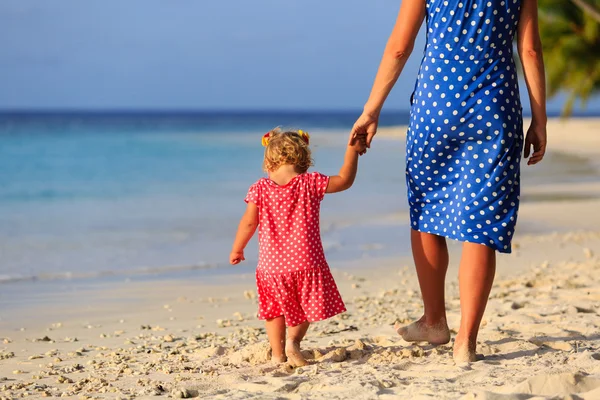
289,235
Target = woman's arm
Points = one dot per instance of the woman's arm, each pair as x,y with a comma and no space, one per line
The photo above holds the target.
399,47
529,46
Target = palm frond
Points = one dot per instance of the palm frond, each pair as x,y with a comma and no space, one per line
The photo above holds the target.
571,46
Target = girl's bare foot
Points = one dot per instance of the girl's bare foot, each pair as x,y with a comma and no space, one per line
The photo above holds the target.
464,351
419,331
294,356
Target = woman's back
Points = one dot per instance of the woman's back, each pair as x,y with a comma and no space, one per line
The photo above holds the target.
465,135
471,29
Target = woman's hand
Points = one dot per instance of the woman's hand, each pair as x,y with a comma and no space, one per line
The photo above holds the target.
360,144
536,137
365,125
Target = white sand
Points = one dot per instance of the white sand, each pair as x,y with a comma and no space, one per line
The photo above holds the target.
184,339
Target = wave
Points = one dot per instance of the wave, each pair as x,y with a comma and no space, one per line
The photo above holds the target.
143,271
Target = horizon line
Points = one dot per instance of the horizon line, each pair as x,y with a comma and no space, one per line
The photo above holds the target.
225,111
182,110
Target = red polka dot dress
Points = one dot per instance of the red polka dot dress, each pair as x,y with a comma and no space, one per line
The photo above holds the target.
292,275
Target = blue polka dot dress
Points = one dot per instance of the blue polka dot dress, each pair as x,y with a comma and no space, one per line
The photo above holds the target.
465,134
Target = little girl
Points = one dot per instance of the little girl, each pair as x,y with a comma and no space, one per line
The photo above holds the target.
295,285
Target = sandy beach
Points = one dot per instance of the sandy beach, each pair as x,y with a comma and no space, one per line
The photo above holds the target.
201,338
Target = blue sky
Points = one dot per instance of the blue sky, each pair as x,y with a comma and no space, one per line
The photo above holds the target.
233,54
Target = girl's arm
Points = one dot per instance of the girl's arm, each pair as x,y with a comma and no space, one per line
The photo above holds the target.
345,178
399,47
529,46
246,230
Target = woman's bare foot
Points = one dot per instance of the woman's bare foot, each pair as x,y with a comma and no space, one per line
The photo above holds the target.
464,351
294,356
279,359
419,331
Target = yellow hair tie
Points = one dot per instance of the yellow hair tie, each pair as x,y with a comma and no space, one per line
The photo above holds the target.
265,139
267,136
304,135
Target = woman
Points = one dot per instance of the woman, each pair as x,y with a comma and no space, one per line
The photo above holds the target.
464,145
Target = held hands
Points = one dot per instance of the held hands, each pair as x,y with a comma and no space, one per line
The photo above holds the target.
360,144
536,137
236,257
366,127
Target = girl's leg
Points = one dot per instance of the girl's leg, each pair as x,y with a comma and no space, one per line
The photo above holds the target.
292,344
476,276
430,253
276,333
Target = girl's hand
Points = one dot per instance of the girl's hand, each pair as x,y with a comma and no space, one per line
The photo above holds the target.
536,137
236,257
360,144
366,125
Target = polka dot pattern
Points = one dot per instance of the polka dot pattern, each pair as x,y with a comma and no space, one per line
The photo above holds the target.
292,275
465,135
309,295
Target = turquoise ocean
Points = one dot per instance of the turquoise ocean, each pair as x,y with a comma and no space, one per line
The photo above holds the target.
98,195
101,197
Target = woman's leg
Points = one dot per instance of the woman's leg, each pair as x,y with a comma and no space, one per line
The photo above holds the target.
430,253
476,276
292,344
276,334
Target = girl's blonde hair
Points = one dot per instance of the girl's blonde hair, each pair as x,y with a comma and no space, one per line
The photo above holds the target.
287,147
